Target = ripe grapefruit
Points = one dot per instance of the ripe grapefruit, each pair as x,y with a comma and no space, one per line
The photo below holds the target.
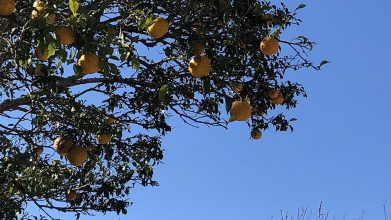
89,62
269,46
77,155
158,28
240,111
65,35
7,7
199,66
62,145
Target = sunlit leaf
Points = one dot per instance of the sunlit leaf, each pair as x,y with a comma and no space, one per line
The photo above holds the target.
74,6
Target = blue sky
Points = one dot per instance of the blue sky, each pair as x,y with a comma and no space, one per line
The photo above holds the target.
339,152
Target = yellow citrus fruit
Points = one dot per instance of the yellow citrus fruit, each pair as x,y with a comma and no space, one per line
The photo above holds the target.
269,46
51,18
158,28
240,110
42,54
77,155
197,48
104,138
273,93
89,62
7,7
237,87
62,145
199,66
65,35
256,134
38,150
72,195
278,101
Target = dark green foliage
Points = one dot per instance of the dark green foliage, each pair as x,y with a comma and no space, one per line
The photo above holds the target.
140,88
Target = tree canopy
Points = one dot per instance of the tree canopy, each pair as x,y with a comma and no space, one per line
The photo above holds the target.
87,89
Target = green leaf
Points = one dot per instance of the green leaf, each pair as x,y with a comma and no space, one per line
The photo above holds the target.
144,23
276,34
149,21
74,6
206,85
200,109
301,38
301,6
62,54
59,64
162,92
114,68
51,50
324,62
168,51
135,63
72,55
77,69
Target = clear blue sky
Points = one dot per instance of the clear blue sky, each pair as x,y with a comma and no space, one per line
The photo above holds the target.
339,152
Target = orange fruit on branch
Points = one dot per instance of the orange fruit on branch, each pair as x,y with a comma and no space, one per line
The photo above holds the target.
62,145
104,138
273,93
269,46
77,155
71,195
240,111
199,66
65,35
7,7
89,63
42,54
278,101
158,28
256,134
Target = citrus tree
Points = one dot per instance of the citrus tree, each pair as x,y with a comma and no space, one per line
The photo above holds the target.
87,88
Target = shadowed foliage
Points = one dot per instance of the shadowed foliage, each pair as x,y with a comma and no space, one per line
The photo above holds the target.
119,114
